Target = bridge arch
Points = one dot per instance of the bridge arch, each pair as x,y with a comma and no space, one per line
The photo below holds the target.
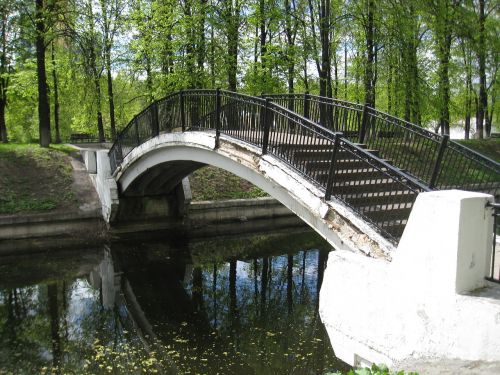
192,150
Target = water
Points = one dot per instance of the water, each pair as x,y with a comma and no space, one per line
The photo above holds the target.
212,306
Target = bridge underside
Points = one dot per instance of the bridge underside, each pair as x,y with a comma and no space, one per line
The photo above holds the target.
154,171
162,178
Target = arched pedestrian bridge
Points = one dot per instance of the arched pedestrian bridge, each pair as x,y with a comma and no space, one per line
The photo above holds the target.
329,161
354,175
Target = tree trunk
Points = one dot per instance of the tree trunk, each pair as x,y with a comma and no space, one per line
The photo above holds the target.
200,43
444,38
100,124
232,22
370,55
3,82
263,46
324,32
336,75
468,90
111,99
489,118
3,128
345,71
290,40
107,57
212,58
481,57
56,96
98,97
190,48
43,98
389,89
444,85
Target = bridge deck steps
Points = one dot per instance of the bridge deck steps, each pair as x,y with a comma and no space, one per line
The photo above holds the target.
362,176
319,155
365,186
388,214
339,164
309,143
380,198
394,227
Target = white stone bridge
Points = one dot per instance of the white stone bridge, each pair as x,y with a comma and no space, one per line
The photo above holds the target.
363,180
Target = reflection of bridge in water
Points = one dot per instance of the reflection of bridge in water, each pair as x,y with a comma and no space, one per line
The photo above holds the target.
203,313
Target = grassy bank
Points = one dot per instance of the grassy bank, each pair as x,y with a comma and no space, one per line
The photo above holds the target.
488,147
210,183
34,179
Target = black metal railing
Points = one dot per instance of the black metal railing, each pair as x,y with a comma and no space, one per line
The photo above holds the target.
494,274
376,190
435,160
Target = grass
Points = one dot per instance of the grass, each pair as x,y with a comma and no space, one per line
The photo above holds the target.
34,179
210,183
489,147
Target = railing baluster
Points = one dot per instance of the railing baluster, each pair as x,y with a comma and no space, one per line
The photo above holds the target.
306,105
217,117
136,126
437,164
266,125
363,125
331,169
155,128
183,114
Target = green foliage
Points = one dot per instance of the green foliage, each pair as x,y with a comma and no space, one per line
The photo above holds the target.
157,47
22,104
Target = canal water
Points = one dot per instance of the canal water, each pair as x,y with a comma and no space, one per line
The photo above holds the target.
246,305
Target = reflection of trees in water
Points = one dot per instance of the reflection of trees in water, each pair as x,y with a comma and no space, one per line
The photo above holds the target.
56,326
267,309
257,316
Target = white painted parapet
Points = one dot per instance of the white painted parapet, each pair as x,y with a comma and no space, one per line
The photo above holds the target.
105,186
431,301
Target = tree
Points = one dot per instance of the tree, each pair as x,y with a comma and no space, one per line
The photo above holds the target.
111,11
56,94
231,19
8,30
43,98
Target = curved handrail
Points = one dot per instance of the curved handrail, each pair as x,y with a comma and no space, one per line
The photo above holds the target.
430,157
321,155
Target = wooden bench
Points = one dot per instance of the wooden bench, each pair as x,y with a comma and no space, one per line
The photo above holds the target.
82,138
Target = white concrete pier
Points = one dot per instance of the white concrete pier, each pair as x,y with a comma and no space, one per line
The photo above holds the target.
431,302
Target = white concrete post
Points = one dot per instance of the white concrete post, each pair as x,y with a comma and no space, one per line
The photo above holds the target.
89,157
103,164
446,246
106,186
